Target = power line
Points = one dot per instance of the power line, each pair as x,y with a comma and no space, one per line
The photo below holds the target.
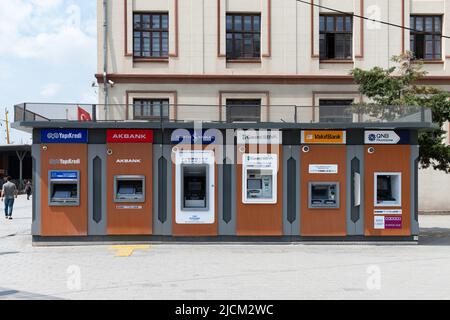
368,19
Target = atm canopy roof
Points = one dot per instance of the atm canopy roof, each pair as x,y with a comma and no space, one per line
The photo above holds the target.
37,115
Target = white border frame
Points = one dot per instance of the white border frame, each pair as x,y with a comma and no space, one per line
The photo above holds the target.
274,168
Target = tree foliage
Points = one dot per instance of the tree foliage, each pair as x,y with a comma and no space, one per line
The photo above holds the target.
395,92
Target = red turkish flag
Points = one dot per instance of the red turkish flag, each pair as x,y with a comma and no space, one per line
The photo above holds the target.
83,115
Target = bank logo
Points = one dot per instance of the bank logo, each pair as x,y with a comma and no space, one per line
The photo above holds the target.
381,137
372,137
128,161
64,136
64,162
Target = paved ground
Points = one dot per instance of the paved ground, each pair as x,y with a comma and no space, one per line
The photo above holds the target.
225,271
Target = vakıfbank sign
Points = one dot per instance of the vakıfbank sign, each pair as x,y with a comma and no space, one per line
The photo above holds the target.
64,136
324,137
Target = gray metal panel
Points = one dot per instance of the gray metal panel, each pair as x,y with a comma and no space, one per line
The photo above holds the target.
96,228
227,191
162,227
414,191
36,223
288,227
355,228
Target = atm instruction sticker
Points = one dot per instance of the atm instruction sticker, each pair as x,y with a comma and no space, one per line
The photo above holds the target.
323,168
387,223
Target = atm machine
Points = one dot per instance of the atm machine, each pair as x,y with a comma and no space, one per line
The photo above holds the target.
323,195
64,188
194,187
259,178
129,189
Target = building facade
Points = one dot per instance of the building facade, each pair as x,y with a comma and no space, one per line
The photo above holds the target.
255,60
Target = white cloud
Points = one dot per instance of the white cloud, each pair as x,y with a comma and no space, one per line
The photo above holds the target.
50,90
44,29
46,4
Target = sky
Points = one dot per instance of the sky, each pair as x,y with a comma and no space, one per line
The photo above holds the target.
48,53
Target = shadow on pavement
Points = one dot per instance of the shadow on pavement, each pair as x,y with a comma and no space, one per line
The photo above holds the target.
434,237
9,294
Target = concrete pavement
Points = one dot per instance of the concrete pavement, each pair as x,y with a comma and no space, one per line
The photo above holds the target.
224,271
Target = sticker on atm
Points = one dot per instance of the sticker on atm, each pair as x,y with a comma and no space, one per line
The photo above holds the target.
324,137
129,136
387,223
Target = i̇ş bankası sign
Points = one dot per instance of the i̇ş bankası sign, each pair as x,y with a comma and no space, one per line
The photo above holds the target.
129,136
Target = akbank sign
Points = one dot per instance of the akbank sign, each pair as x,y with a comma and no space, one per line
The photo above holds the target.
64,136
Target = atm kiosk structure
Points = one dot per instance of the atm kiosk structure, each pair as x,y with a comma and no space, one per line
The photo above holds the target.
143,182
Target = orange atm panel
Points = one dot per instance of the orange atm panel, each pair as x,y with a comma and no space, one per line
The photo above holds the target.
259,198
64,215
387,191
323,189
129,182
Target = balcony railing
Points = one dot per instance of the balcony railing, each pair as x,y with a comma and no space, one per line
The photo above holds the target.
41,112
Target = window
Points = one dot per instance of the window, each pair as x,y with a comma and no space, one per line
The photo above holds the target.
335,111
151,35
336,37
243,36
388,189
240,110
426,37
151,109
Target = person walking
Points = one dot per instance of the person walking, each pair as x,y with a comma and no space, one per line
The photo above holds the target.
28,189
9,193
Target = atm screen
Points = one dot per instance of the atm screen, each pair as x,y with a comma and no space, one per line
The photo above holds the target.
384,189
65,191
129,189
319,192
195,183
254,184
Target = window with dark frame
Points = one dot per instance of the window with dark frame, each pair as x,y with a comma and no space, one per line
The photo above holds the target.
336,37
151,35
426,37
335,111
151,109
243,36
243,110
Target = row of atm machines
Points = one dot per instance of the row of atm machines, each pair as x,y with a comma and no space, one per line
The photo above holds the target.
131,186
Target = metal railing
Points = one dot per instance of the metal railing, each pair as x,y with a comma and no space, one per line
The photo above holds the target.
57,112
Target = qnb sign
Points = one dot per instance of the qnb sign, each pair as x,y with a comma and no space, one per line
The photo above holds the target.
64,136
381,137
129,136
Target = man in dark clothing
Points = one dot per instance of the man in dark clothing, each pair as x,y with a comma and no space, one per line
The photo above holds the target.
28,189
9,193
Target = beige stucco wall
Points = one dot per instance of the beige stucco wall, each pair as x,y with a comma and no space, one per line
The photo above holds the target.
290,36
